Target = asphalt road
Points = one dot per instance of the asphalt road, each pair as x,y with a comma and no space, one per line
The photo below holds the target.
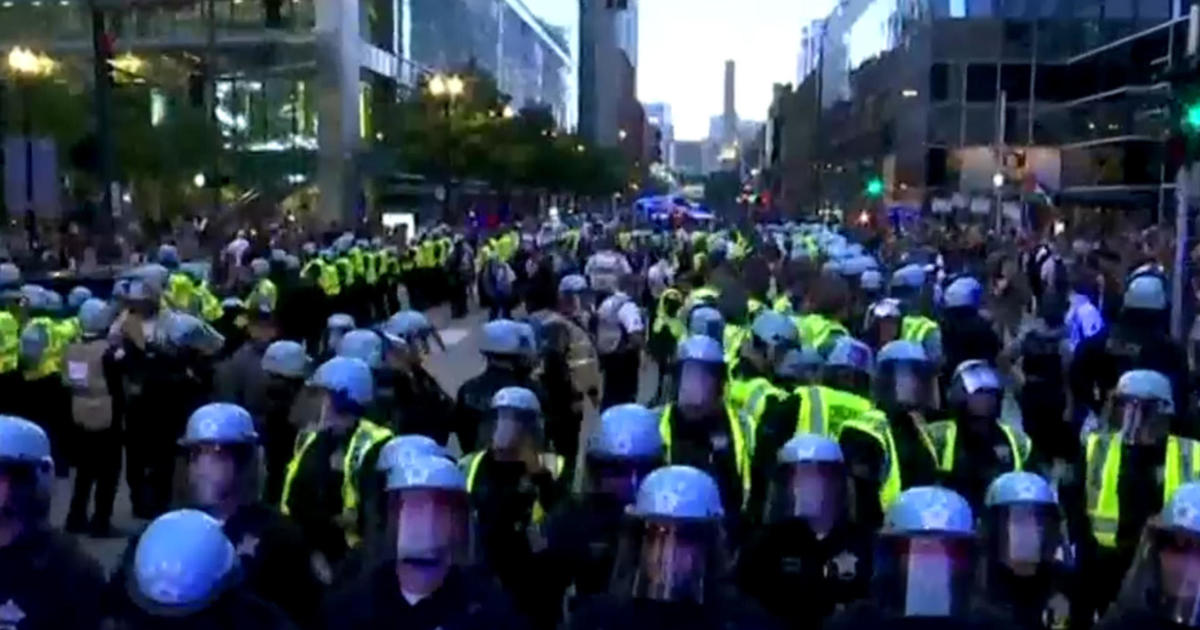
460,361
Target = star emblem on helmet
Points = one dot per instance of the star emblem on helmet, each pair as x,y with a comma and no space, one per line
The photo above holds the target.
1185,513
935,517
1026,490
667,500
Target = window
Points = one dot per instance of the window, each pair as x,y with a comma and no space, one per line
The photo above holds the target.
1118,9
981,82
939,82
1015,8
980,8
1014,80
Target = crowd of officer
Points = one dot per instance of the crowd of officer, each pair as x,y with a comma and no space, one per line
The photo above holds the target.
827,443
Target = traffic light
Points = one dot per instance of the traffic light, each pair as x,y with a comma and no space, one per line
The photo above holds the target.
1191,116
875,187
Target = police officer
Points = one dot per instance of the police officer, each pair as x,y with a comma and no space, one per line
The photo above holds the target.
750,386
332,455
908,287
808,543
1042,353
514,484
699,429
1161,590
510,355
620,335
582,532
974,447
286,366
799,367
419,404
825,310
1132,468
39,565
670,563
1026,558
1138,340
924,569
966,334
187,574
221,445
12,321
882,323
336,326
888,450
423,580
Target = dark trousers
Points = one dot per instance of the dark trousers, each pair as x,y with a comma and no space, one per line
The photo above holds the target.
621,371
279,446
98,465
49,406
458,298
149,462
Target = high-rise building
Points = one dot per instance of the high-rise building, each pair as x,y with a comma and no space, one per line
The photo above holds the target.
298,81
689,157
607,67
810,49
729,113
658,115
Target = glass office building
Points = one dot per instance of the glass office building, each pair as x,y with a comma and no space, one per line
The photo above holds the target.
298,80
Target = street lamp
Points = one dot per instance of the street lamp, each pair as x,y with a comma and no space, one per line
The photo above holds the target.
446,89
25,66
509,112
198,180
580,148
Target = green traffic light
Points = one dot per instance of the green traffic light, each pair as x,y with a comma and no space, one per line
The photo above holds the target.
1191,116
875,187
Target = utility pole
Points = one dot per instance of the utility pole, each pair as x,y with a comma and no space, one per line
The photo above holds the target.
102,77
210,103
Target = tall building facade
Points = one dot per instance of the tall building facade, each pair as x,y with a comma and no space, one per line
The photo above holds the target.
937,96
809,58
298,81
729,129
608,31
658,115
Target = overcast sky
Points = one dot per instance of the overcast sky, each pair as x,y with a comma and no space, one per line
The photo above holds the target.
683,45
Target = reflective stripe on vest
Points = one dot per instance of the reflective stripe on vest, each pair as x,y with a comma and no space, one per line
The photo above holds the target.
875,425
751,411
661,319
471,463
741,454
841,406
366,435
10,342
915,328
816,330
1181,465
56,347
732,338
782,304
813,411
944,437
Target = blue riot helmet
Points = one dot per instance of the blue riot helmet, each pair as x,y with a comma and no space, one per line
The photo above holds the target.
403,449
509,342
924,563
963,292
365,345
904,378
168,256
26,469
849,367
515,416
221,445
259,267
701,383
671,550
623,449
428,521
349,385
573,293
975,393
10,276
798,367
1022,524
771,336
871,283
77,296
286,359
1146,304
408,333
1142,407
186,334
1164,579
182,564
808,484
708,321
336,325
907,283
95,318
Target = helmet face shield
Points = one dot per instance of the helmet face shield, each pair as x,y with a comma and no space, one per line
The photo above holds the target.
215,473
1140,420
431,530
1178,556
925,575
905,384
511,430
673,559
24,489
811,491
1024,537
699,388
984,403
618,477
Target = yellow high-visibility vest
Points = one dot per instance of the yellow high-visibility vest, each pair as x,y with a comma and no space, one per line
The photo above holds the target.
741,448
944,435
823,410
916,327
10,342
366,436
875,424
471,461
816,330
1103,453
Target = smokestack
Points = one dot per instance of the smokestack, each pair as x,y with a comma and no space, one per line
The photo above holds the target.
730,114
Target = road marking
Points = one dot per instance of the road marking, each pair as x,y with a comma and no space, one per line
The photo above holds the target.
452,336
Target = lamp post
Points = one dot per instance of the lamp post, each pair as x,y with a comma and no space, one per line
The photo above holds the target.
25,66
446,89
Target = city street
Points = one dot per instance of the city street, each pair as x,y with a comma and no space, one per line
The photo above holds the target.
459,362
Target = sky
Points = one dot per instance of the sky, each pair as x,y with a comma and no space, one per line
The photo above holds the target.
683,45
